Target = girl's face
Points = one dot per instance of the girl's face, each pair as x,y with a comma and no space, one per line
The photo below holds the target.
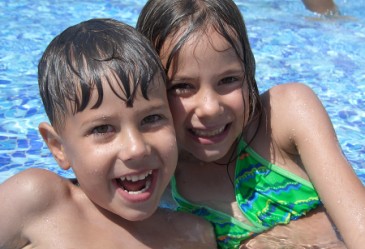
207,95
123,157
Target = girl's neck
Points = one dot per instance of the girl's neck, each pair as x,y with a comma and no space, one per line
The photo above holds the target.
248,134
187,157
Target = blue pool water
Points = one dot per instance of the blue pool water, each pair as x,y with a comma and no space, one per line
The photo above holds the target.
289,42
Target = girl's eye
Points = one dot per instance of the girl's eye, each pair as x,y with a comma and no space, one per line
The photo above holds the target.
102,130
229,80
152,119
229,84
181,89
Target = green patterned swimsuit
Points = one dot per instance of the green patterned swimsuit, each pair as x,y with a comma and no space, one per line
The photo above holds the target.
266,194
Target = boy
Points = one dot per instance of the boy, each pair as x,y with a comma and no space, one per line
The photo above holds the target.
103,89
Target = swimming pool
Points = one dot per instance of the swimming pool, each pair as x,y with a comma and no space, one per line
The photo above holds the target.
289,43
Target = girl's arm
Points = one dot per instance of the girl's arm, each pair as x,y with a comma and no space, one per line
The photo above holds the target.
305,121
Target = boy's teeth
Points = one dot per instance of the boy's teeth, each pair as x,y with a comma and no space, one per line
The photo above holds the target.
209,133
134,178
148,184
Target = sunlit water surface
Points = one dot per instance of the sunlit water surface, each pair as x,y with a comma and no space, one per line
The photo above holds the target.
289,43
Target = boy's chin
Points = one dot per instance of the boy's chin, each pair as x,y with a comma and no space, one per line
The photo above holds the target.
140,215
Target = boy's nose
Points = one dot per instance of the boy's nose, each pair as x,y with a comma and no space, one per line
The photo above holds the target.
208,105
133,146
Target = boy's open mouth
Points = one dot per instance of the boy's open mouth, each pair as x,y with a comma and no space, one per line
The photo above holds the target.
135,184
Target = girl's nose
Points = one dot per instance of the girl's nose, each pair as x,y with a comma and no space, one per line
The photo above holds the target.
134,145
209,105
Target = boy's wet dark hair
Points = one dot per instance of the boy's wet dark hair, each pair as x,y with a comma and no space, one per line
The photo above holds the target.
163,19
78,60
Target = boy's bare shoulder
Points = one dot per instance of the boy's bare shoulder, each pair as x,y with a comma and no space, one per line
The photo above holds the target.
25,197
34,181
32,191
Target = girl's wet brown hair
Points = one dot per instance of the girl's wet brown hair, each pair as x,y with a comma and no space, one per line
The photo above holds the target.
163,19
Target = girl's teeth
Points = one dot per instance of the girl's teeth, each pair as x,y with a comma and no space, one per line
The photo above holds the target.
207,133
134,178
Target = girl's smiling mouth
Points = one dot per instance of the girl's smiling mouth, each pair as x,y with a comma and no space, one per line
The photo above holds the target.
208,132
210,136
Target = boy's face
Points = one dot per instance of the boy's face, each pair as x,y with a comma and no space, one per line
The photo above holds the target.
123,157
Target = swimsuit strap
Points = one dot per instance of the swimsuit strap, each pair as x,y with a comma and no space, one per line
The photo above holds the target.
266,194
269,195
229,231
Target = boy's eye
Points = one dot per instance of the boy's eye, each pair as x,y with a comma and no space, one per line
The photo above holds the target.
181,89
152,119
102,129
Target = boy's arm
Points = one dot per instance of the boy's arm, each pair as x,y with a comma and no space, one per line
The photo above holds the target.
24,198
307,124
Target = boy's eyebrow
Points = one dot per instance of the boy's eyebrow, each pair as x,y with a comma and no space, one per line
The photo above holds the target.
95,119
157,105
152,106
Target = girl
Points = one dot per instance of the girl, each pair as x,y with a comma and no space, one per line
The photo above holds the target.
248,162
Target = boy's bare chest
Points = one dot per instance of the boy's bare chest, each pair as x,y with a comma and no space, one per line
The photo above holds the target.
69,231
74,233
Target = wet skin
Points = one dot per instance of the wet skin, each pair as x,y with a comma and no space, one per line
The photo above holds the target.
122,156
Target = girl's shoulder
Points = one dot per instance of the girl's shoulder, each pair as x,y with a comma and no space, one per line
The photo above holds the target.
291,111
288,93
288,101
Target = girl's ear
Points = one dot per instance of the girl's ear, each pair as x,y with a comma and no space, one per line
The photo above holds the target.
54,143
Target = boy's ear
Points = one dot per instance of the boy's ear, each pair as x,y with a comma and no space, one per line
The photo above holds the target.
54,143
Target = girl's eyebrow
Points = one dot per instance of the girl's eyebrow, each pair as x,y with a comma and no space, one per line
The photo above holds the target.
233,70
238,70
177,77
